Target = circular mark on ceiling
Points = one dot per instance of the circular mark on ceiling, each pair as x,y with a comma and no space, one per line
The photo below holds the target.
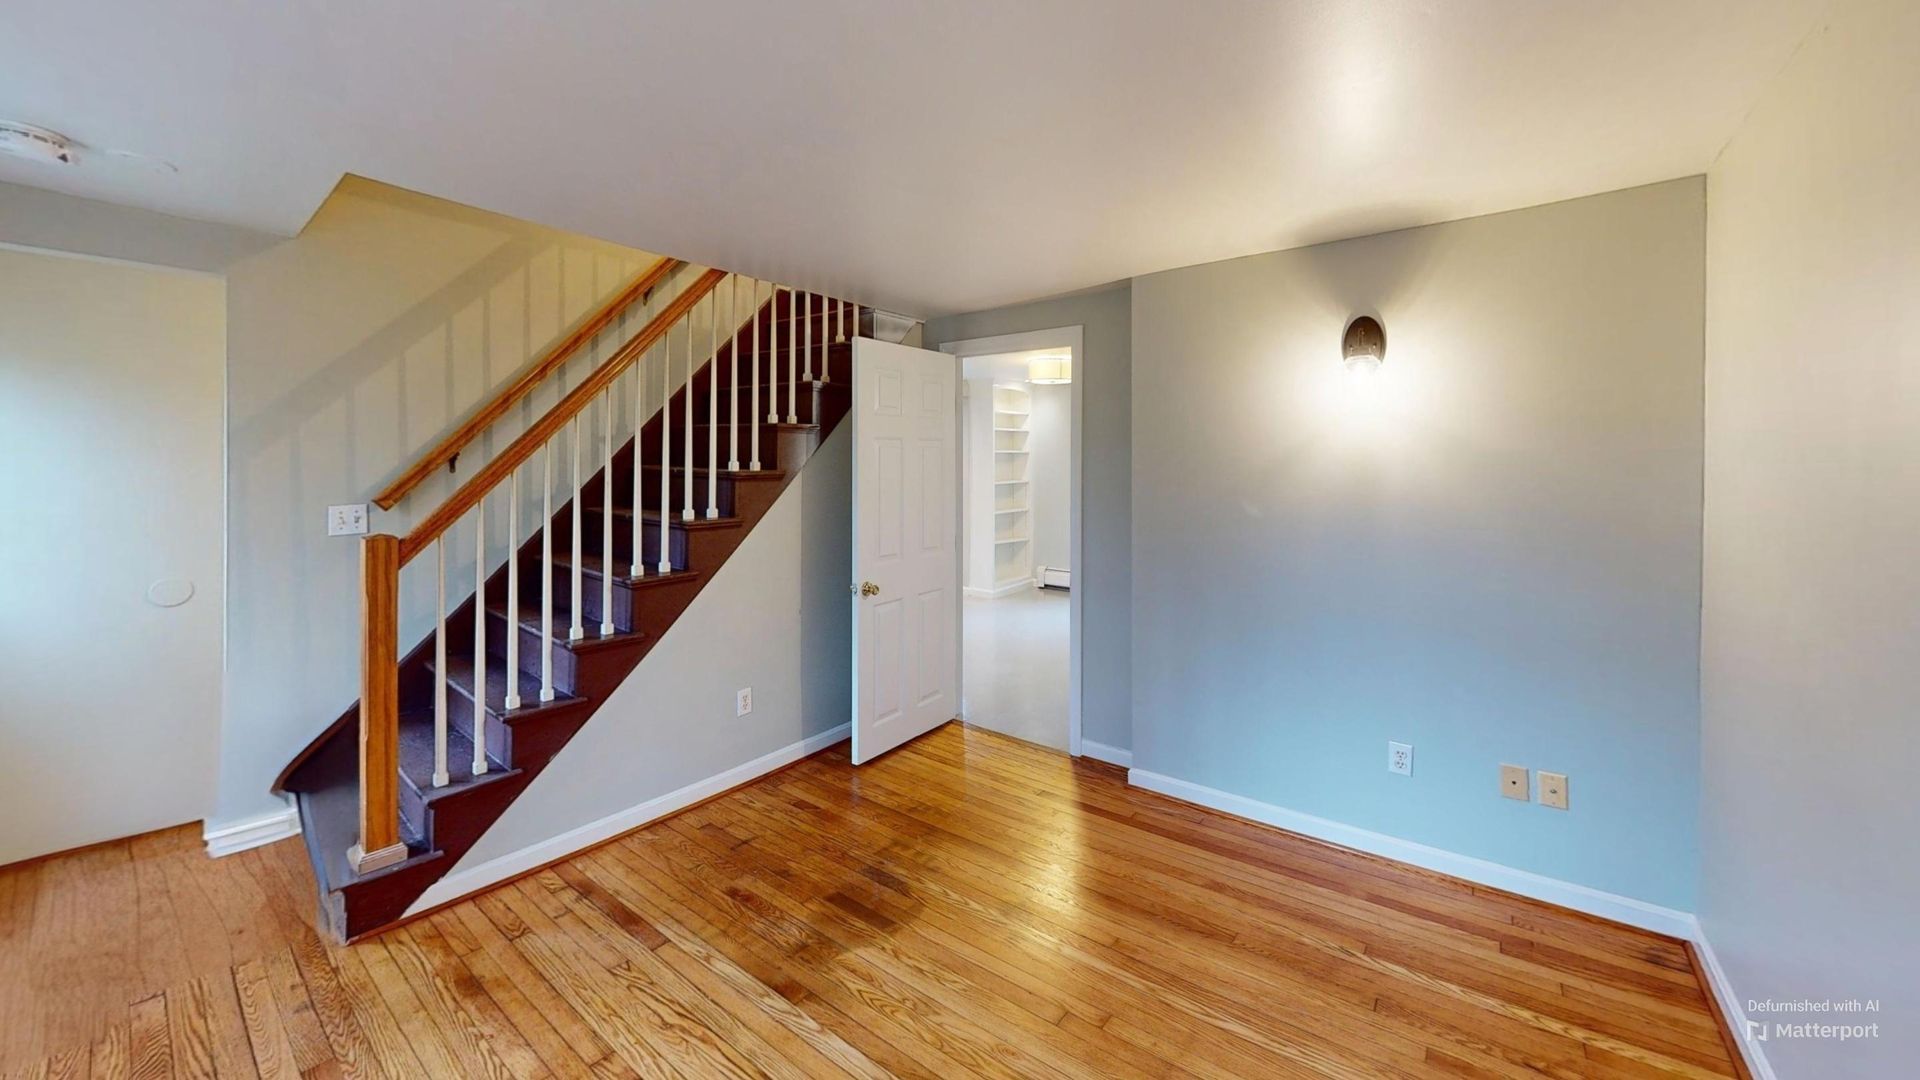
170,592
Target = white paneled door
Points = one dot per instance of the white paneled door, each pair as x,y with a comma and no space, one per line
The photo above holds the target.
906,561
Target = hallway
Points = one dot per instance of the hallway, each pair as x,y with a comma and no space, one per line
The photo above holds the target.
1015,666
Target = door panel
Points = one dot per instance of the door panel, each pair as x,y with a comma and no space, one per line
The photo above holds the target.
906,666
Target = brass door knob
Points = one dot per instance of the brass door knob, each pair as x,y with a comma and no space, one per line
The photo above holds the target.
868,588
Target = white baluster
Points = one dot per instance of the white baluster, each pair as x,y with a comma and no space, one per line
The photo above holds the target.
440,777
713,410
753,405
793,358
546,572
686,508
824,345
806,312
733,380
772,360
513,590
840,320
606,514
480,637
578,630
640,429
666,447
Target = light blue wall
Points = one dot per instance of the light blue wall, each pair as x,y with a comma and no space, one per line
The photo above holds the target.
1103,578
1494,554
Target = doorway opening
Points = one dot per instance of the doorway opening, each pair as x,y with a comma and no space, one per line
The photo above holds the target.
1019,516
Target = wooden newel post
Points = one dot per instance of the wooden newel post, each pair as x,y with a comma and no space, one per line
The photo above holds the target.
379,844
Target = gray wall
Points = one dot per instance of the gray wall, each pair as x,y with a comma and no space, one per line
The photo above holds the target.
1811,641
1050,464
36,218
1106,506
1493,552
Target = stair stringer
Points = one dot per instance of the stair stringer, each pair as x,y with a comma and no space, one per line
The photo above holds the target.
775,617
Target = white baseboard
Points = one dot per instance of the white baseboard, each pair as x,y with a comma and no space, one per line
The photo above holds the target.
238,836
1640,913
1112,755
1008,589
1730,1006
493,871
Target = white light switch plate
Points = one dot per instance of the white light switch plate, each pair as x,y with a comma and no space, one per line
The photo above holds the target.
350,520
1513,782
743,701
1553,790
1400,758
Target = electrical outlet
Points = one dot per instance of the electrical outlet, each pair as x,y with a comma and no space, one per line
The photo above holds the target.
743,701
1553,790
1513,782
347,520
1400,758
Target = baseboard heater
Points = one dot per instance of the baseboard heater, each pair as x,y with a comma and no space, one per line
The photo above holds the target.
1053,577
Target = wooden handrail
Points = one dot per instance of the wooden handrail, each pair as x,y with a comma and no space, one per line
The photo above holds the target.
524,385
494,472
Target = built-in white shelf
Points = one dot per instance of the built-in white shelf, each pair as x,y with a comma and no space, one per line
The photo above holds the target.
1011,464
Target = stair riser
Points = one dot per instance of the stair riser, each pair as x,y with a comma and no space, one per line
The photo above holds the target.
809,405
564,672
677,496
592,498
780,448
460,713
704,547
623,560
773,371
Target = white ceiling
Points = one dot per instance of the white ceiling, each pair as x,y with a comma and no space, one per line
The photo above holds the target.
921,155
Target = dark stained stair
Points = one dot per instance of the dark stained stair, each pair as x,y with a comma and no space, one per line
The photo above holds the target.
440,824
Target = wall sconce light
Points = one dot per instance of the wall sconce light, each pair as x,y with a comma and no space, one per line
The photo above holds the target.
1050,370
1364,345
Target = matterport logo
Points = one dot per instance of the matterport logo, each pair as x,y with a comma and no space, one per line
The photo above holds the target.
1766,1030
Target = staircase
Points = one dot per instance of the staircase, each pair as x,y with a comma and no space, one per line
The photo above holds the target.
446,736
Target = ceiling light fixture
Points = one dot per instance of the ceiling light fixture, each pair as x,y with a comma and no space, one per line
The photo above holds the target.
37,143
1364,345
1050,370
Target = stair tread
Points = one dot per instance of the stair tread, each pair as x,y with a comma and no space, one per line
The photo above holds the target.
592,563
723,425
736,474
416,756
562,625
460,681
652,514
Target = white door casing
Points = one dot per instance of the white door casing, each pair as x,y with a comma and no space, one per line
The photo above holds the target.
906,559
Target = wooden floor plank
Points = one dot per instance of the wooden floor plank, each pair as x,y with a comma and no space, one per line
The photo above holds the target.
966,905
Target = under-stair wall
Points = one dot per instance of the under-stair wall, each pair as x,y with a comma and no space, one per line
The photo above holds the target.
775,620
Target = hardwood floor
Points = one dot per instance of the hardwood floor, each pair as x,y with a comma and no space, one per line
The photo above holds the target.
968,905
